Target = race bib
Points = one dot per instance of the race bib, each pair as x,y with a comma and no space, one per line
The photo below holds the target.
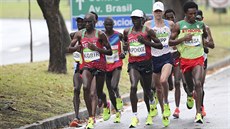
137,49
196,41
114,57
164,41
90,55
77,56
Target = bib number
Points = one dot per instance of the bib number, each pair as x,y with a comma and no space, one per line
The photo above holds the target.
113,58
77,56
90,55
164,41
137,49
196,41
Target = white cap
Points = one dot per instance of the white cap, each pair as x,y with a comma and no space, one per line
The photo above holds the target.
158,6
137,13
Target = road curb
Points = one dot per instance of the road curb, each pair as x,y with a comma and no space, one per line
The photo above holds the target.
63,120
219,64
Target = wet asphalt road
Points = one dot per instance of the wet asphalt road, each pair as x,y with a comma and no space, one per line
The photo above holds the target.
217,104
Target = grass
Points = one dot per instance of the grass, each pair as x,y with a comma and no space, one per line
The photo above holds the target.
37,94
220,26
18,9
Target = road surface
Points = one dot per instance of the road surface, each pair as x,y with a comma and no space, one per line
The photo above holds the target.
217,104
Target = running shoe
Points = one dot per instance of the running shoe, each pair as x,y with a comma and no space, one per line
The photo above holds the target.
119,103
134,122
117,117
165,121
90,123
106,112
149,120
198,118
167,111
176,113
190,102
75,123
203,111
153,110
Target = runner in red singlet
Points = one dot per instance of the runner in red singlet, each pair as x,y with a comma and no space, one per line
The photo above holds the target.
114,66
138,44
93,45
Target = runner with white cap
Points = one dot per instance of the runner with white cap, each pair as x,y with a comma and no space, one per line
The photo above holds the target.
161,59
137,40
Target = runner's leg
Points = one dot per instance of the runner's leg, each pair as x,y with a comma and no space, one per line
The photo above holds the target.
197,73
165,72
159,89
87,78
170,81
146,85
77,80
177,78
100,85
134,76
112,85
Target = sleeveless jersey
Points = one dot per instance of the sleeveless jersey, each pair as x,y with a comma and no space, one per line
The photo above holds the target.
114,60
137,51
194,48
163,34
90,58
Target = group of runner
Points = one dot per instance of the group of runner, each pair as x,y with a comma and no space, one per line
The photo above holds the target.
156,48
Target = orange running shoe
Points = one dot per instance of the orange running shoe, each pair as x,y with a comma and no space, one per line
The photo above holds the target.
75,123
176,113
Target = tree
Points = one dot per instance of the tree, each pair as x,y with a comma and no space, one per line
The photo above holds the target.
58,35
176,5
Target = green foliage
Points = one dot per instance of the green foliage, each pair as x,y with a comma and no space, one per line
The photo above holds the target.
13,9
37,94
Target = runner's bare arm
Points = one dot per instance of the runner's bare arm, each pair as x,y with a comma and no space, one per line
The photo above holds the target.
125,39
123,53
175,32
104,41
72,35
171,24
74,45
156,44
210,42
